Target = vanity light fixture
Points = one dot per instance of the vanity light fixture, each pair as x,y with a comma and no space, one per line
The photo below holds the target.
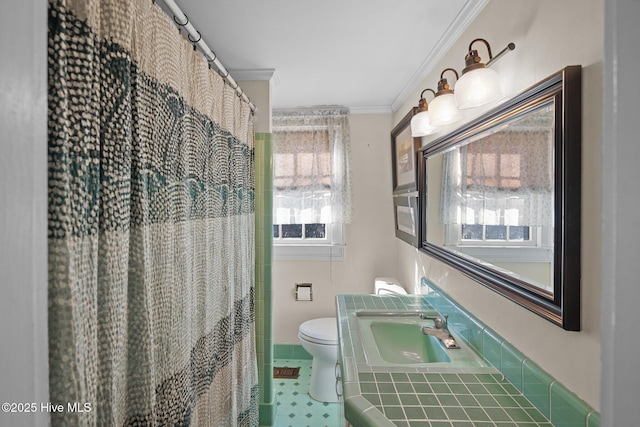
443,107
478,84
421,123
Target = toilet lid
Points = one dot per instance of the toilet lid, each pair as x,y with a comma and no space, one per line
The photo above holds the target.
322,331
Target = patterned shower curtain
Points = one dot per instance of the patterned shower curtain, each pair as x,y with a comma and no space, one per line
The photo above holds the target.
151,225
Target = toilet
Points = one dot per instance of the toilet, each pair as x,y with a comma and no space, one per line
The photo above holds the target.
319,337
388,285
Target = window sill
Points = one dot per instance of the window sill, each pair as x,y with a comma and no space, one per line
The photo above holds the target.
507,254
308,252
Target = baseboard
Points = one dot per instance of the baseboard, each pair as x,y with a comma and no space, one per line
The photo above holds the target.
290,351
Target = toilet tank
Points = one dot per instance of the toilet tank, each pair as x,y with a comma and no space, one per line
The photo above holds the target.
388,285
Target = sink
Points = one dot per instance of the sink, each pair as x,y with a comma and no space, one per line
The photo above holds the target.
395,338
403,343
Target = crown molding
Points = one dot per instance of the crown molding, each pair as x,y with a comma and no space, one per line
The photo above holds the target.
261,74
468,13
371,109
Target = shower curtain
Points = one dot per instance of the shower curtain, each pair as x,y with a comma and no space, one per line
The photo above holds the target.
151,225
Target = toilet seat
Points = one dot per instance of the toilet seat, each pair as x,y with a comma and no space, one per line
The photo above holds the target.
320,331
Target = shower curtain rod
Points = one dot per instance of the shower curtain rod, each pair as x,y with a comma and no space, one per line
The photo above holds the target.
195,37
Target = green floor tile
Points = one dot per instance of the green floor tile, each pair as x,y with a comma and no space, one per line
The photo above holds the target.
295,408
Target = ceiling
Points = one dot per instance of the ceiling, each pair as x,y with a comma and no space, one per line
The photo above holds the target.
368,56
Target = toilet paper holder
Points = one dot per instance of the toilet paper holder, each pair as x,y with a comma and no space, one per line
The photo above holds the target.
304,292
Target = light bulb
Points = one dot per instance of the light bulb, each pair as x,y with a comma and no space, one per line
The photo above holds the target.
421,125
443,110
477,87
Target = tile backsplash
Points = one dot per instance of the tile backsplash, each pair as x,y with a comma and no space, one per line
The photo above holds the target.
561,406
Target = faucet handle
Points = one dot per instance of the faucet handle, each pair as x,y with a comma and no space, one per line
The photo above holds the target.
441,323
438,322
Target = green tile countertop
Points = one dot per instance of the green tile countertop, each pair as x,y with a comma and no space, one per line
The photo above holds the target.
409,395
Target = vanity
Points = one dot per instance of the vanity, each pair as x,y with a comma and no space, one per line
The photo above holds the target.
393,374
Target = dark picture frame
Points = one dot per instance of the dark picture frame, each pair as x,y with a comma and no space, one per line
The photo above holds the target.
403,155
562,306
406,216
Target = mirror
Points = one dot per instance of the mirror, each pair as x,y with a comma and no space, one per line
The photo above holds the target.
500,198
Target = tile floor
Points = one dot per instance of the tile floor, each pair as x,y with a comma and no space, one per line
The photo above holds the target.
295,407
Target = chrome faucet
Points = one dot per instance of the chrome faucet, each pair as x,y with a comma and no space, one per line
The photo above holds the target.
439,330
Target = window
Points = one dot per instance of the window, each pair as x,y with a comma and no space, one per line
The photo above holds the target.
497,194
494,243
311,233
502,234
311,183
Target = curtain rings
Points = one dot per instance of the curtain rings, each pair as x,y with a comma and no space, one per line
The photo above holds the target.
193,42
178,23
212,59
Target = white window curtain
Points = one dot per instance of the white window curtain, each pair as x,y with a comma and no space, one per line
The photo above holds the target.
311,166
505,178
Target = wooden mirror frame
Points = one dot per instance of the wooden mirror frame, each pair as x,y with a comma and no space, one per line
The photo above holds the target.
563,307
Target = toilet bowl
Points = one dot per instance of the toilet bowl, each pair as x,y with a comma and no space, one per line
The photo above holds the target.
319,337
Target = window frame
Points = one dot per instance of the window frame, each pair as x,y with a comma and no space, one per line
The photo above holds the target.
538,249
330,248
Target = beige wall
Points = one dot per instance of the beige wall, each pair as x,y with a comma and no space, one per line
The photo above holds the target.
259,92
548,36
370,238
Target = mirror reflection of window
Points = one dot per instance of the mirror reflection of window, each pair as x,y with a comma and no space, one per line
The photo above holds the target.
503,178
497,192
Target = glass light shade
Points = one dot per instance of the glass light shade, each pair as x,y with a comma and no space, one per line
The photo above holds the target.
421,125
477,87
443,110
